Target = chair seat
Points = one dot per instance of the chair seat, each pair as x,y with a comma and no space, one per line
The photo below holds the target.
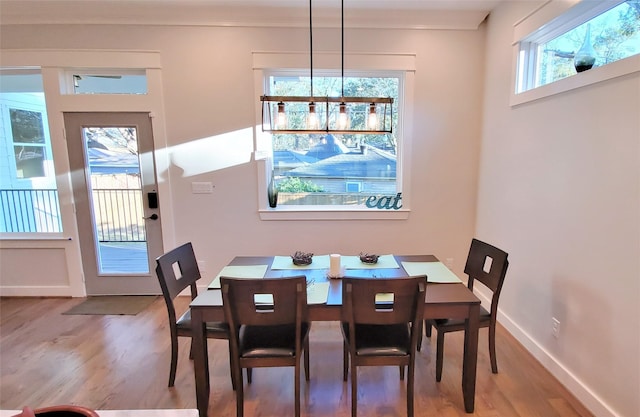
270,341
380,339
485,317
214,328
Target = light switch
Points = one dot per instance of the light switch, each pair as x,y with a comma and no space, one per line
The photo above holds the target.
201,187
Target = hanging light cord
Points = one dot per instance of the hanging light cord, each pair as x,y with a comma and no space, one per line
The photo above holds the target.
342,34
311,47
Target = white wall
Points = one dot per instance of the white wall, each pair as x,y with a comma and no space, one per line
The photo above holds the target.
560,191
210,107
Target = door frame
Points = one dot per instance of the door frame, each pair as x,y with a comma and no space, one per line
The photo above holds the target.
97,283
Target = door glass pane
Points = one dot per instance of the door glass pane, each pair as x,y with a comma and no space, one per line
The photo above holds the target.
116,199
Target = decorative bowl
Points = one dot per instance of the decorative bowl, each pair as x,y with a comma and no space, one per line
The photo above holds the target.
369,258
302,258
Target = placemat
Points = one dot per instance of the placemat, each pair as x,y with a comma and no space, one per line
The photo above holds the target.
285,262
435,271
354,262
239,271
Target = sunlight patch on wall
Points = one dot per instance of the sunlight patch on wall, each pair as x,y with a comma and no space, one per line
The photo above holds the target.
213,153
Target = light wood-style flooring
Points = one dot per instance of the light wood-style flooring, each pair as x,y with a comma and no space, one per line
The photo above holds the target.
122,362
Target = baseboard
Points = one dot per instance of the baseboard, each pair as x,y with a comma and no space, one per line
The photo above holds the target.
574,385
19,291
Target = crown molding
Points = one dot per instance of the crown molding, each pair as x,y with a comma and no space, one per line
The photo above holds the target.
241,14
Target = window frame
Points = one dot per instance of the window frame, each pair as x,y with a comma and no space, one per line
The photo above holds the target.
34,182
374,65
544,24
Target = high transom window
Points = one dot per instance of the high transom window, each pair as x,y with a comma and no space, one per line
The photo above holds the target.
590,35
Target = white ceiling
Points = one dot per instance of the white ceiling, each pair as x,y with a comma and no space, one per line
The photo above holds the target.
415,14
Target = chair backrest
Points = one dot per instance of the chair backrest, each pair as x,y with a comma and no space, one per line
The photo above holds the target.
383,300
177,270
487,264
264,301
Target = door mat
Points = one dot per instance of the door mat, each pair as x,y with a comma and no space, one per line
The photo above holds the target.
113,305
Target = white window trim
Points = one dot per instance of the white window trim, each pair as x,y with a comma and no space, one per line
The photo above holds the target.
405,62
540,26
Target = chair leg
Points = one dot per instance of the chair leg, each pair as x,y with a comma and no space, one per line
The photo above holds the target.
427,328
306,360
345,361
174,360
439,355
492,348
421,325
410,386
401,373
354,390
297,388
239,394
249,374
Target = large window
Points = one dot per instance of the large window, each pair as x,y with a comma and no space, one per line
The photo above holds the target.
331,169
28,192
591,35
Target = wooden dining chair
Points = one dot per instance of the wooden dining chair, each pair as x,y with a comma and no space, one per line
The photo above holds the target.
488,265
176,271
381,325
268,327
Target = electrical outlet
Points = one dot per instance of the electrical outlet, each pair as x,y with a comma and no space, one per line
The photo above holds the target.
449,263
555,327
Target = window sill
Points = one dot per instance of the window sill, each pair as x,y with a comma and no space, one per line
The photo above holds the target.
595,75
33,236
327,213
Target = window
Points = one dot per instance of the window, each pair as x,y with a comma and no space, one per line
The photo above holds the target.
28,192
605,31
109,82
337,170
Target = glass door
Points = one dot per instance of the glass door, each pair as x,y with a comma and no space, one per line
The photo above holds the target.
115,192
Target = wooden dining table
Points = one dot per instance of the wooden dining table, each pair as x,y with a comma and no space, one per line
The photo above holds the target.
443,300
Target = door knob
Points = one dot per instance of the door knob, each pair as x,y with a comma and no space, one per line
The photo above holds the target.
154,216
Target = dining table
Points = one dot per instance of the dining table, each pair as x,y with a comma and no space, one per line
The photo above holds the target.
446,297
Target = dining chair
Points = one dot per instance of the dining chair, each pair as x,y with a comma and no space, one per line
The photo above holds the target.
488,265
268,327
176,271
381,325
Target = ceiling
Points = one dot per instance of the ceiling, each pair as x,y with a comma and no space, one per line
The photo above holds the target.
385,14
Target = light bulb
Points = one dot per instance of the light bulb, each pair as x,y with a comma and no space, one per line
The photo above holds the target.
343,120
312,118
282,116
372,120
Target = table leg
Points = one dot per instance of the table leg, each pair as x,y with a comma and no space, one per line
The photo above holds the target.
200,362
470,357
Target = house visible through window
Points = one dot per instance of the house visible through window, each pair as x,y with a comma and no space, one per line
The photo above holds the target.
28,193
332,169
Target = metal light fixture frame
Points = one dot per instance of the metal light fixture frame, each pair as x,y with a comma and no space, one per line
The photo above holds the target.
382,106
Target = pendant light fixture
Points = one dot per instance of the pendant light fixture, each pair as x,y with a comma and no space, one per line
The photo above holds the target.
328,114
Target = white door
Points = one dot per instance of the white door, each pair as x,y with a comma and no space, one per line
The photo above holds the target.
116,200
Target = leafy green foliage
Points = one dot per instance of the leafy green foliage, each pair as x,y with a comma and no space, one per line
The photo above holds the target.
296,185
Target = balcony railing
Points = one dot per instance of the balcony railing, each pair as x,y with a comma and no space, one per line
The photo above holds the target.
118,213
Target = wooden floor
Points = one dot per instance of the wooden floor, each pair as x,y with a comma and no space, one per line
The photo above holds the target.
122,362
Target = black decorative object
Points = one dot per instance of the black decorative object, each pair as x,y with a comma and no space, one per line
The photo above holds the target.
302,258
272,192
369,258
586,55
